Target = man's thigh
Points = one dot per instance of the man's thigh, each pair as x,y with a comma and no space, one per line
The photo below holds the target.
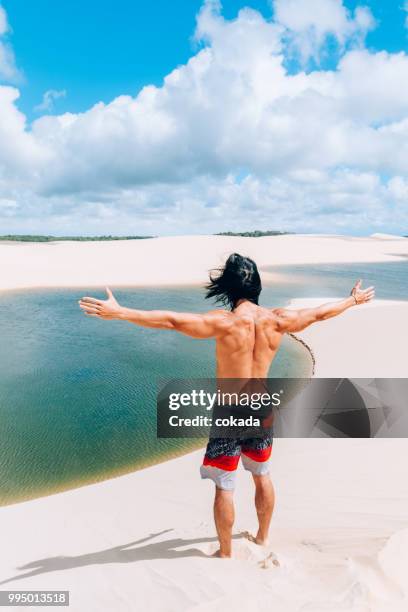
221,461
256,454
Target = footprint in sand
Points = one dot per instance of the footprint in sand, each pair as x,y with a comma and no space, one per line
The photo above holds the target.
311,544
246,550
271,560
248,536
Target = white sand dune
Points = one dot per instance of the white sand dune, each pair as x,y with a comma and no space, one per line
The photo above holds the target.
367,341
175,260
387,236
143,541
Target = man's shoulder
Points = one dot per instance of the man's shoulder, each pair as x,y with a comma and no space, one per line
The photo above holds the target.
221,320
220,316
268,314
218,312
283,313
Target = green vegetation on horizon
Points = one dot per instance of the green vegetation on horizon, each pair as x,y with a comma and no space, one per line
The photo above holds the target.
47,238
255,233
34,238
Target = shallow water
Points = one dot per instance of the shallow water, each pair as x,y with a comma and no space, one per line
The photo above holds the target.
77,394
336,280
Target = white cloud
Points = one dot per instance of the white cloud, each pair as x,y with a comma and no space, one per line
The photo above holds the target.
329,201
8,68
309,23
230,141
21,155
49,97
398,188
3,21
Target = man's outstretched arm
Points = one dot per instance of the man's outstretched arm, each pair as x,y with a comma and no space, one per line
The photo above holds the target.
297,320
206,325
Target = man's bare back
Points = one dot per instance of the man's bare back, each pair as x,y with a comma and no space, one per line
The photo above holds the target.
247,342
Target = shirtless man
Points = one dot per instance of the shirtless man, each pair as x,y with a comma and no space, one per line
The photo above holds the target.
247,337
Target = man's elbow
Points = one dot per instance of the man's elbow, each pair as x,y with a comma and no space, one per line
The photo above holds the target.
314,318
163,321
307,320
321,314
169,323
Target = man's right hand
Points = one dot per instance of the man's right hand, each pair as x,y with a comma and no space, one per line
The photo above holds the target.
362,296
104,309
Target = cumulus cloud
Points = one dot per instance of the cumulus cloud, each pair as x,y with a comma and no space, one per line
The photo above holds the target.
310,23
3,21
49,97
21,155
8,69
231,140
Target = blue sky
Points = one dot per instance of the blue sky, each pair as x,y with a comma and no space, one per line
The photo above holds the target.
196,117
97,51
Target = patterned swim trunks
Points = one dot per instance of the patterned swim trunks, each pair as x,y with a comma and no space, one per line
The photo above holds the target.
222,457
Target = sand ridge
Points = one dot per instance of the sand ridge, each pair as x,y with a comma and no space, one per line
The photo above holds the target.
176,260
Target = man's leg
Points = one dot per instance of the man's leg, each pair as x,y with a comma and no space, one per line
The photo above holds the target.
220,465
264,503
224,519
256,454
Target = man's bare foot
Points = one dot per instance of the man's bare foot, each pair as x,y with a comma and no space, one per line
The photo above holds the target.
256,539
220,555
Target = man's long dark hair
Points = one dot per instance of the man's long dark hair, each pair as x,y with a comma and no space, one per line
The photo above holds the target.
238,279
